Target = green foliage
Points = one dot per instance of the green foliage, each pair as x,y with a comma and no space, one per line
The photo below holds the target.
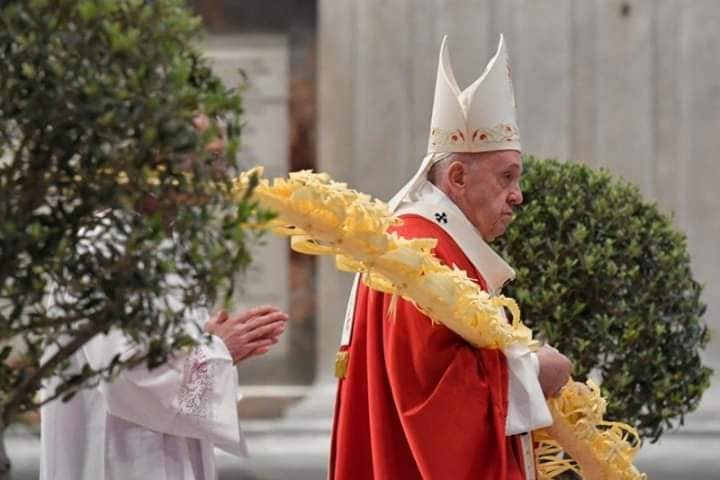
98,101
605,277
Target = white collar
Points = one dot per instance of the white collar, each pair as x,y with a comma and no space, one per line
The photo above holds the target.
431,203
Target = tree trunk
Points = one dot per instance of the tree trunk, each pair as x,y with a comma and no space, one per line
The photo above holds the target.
4,460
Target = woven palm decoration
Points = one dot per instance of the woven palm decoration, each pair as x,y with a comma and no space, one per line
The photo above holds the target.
324,217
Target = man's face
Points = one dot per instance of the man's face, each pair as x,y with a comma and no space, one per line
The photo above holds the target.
489,191
216,167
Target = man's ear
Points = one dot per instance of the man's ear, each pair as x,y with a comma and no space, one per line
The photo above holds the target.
456,176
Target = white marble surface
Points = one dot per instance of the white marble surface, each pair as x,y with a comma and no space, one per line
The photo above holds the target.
299,451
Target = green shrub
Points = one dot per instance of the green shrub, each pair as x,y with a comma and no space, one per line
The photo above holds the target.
98,100
605,277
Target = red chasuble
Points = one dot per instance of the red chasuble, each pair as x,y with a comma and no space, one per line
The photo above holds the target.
418,402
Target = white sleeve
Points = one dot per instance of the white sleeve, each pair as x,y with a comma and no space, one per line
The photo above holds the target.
527,407
193,395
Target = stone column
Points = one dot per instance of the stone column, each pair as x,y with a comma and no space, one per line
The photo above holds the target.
264,59
335,156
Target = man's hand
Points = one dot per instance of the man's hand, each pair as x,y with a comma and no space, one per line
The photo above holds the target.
248,333
555,369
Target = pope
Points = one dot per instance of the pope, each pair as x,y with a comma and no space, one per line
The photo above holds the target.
417,401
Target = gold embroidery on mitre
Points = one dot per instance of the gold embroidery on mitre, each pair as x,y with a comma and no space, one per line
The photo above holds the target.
502,132
439,136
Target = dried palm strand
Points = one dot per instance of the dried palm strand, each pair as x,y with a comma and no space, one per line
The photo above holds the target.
324,217
596,449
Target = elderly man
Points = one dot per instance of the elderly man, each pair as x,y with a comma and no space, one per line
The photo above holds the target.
417,401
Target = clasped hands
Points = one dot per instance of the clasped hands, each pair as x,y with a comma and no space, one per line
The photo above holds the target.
250,333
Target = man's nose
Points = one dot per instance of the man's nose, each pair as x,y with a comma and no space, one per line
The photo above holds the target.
516,197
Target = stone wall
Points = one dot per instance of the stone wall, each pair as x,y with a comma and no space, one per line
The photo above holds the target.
629,85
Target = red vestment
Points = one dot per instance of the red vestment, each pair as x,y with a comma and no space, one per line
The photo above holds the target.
418,401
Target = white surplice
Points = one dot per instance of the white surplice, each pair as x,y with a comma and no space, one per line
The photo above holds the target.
158,424
146,424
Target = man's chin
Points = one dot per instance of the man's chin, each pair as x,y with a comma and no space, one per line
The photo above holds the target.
500,231
493,232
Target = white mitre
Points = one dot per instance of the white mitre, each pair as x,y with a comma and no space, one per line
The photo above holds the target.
481,118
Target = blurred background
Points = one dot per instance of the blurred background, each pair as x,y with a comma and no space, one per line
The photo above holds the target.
345,86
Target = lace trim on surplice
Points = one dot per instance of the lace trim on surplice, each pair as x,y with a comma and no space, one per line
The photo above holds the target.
194,397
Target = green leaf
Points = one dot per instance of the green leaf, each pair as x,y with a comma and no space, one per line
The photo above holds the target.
87,10
28,70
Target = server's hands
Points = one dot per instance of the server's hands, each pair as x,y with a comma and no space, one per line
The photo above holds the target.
250,333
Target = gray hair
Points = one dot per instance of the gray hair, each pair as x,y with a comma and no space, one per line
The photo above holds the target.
441,161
